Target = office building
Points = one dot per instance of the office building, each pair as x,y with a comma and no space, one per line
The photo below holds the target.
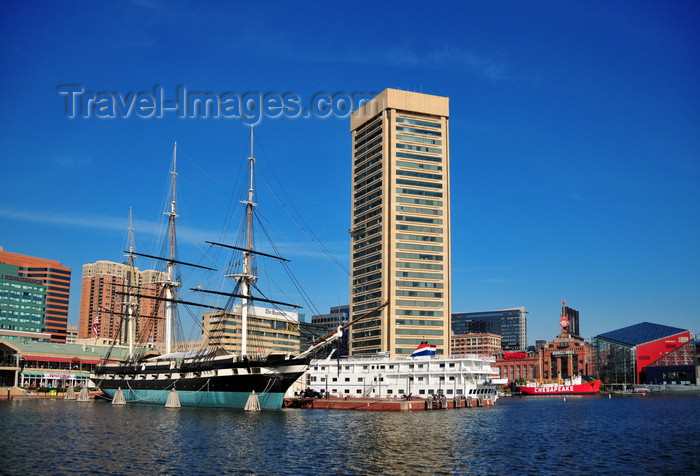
510,324
72,334
270,331
56,278
338,317
103,298
478,344
400,224
22,305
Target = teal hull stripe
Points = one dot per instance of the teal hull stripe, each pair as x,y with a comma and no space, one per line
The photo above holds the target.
268,401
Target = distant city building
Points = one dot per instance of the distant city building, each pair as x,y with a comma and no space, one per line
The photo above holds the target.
400,225
22,301
56,278
516,365
338,317
103,303
510,324
564,357
572,317
479,344
72,334
270,331
647,353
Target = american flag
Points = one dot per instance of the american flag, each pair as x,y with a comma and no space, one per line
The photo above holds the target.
95,325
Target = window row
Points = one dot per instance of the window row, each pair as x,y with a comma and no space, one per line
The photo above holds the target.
369,206
368,215
417,165
423,211
362,193
371,160
413,246
367,181
426,294
419,201
414,275
367,269
414,312
366,232
364,261
403,302
366,173
361,149
416,183
420,229
419,284
422,140
424,193
367,251
427,158
420,332
415,130
366,279
418,122
433,239
419,256
411,173
418,148
371,241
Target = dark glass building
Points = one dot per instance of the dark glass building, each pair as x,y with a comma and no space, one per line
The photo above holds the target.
510,324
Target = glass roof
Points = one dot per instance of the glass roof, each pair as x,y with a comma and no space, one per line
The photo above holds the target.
640,333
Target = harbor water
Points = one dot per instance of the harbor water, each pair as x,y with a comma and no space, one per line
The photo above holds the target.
536,435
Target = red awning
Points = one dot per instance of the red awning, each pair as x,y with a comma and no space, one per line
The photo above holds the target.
39,358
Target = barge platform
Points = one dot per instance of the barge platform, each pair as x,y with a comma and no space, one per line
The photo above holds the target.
386,404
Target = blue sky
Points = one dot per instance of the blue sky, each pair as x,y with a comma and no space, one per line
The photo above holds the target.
575,140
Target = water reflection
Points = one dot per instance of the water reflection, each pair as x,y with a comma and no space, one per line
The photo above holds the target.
518,436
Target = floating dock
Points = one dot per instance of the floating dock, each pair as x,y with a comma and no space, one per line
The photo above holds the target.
386,404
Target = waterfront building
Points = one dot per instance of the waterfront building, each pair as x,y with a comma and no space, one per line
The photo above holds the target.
510,324
647,353
338,317
400,224
564,357
56,278
103,298
476,343
516,365
26,363
270,331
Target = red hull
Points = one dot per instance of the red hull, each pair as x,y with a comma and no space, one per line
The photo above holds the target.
587,388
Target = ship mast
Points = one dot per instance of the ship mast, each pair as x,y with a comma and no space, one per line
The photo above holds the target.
130,284
246,278
170,283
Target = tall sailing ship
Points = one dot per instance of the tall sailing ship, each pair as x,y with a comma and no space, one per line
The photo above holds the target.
210,376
